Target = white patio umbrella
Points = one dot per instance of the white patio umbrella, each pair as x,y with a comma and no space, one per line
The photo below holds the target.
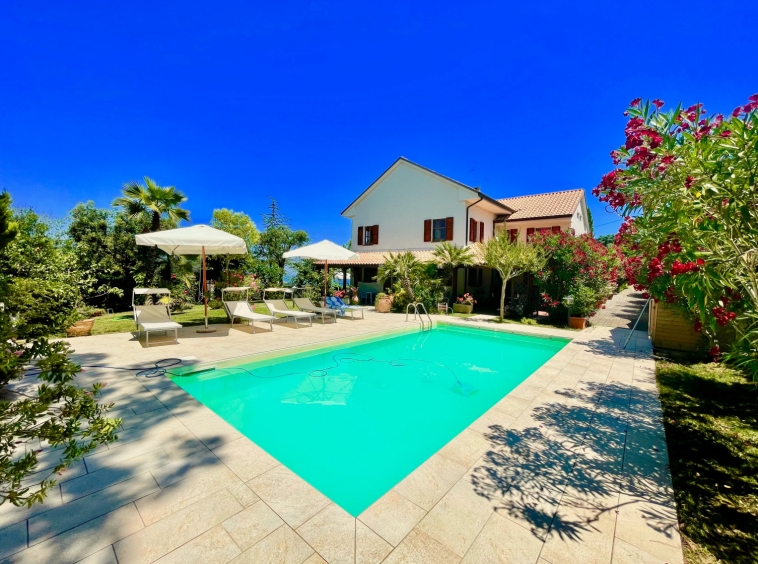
326,251
196,240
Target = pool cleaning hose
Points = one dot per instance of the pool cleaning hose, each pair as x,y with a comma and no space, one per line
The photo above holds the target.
161,368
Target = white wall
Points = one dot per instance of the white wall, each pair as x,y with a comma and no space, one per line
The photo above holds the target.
563,222
580,221
401,202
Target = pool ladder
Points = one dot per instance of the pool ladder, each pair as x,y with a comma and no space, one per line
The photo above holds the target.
417,306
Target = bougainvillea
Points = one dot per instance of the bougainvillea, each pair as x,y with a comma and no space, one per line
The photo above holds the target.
685,183
573,263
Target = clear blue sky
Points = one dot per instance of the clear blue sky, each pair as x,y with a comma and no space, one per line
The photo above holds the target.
311,101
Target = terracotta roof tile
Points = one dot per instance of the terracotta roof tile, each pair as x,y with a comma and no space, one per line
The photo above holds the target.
551,204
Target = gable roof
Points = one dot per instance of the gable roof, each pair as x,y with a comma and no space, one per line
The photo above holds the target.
476,191
552,204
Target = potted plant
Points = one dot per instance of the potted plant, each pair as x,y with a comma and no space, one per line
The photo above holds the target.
382,303
464,304
583,305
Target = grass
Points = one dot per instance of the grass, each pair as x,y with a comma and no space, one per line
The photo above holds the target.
124,322
712,434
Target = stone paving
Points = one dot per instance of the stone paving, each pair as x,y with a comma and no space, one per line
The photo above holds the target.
570,467
622,311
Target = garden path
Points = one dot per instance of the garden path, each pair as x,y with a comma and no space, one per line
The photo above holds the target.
622,311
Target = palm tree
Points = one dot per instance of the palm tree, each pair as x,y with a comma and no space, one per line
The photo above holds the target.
449,257
153,200
402,266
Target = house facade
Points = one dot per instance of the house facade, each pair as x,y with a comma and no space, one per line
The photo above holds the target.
412,208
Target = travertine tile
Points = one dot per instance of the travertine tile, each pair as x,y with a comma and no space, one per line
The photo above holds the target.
246,459
13,538
503,541
466,448
331,532
96,481
283,546
419,548
582,531
458,518
625,553
426,485
293,499
183,468
370,548
180,494
213,431
84,540
315,558
212,547
80,511
392,517
104,556
10,514
252,524
651,527
170,533
490,421
244,494
511,405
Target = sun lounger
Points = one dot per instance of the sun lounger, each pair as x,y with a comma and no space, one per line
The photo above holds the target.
242,310
306,304
337,304
153,318
278,307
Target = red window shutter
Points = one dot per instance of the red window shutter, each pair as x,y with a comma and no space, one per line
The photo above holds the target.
544,230
513,234
375,235
556,229
481,231
360,235
448,229
427,230
529,233
472,230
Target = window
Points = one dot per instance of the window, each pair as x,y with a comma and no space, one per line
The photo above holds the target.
439,231
529,233
436,230
513,235
368,235
475,277
556,228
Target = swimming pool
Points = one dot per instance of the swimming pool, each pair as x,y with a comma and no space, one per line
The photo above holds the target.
354,419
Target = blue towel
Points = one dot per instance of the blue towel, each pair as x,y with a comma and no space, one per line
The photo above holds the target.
336,303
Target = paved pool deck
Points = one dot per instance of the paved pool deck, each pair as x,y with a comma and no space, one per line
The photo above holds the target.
570,467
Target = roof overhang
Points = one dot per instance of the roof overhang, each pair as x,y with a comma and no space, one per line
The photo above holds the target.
564,216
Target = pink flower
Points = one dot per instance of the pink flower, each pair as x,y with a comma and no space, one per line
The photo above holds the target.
636,102
658,103
725,133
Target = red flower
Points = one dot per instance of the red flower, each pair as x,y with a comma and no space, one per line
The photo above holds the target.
688,182
725,133
737,111
636,102
698,327
753,98
715,351
658,103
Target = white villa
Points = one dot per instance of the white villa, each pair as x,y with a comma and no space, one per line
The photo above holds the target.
412,208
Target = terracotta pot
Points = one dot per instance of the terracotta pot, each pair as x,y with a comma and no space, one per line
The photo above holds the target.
462,308
80,328
577,322
383,304
356,300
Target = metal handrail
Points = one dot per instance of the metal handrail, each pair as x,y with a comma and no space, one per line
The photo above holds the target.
425,313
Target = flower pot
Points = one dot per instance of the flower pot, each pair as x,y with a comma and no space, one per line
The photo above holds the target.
80,328
463,308
577,322
383,304
356,300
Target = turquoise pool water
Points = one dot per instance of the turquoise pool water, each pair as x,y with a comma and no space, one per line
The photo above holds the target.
355,419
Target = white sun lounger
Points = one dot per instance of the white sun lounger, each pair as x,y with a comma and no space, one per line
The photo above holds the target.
153,318
278,307
305,304
243,310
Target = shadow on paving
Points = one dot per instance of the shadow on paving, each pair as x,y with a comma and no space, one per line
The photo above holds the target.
92,505
565,474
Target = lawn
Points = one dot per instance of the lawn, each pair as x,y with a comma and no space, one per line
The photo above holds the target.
124,322
712,434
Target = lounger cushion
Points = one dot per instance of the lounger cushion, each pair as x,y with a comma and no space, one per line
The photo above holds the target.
278,306
244,311
164,326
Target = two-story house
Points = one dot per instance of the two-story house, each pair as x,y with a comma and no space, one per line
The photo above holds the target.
412,208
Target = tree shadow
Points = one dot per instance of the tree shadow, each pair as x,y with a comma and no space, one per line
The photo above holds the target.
585,449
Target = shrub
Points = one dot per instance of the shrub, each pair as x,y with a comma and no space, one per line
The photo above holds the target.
528,321
215,304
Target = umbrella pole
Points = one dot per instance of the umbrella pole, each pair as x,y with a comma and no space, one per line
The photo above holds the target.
326,277
205,298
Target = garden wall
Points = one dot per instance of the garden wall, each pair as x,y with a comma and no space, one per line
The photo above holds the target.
670,329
